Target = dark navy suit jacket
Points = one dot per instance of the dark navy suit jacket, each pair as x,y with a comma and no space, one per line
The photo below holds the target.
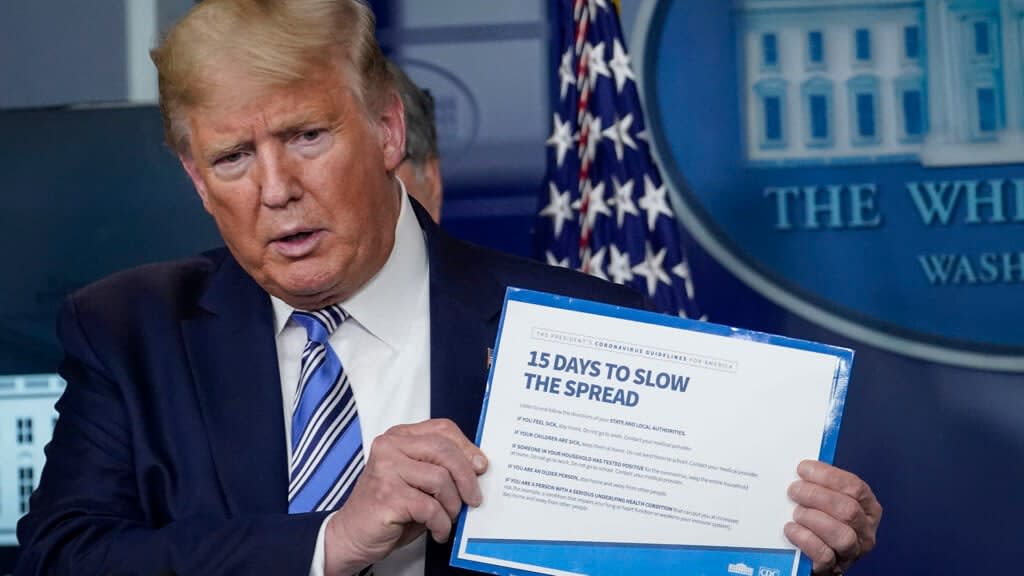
169,453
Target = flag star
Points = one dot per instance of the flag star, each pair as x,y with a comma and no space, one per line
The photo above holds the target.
596,65
594,5
566,74
596,264
595,203
559,209
652,269
554,261
593,124
683,271
620,269
624,200
655,202
619,134
620,66
561,138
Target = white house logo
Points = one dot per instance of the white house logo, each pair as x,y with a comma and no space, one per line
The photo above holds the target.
456,110
860,163
740,569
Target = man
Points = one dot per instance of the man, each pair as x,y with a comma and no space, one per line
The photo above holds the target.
421,169
184,445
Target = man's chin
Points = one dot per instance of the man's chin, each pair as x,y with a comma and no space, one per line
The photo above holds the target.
308,295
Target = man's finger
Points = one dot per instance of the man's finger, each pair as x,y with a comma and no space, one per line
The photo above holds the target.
836,504
448,429
841,538
426,510
437,450
823,558
435,481
840,494
836,479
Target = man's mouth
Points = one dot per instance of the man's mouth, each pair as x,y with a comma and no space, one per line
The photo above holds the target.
298,244
297,237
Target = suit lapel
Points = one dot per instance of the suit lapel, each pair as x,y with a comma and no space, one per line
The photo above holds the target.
465,300
233,353
458,362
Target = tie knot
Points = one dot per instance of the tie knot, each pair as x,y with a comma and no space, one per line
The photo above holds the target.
319,324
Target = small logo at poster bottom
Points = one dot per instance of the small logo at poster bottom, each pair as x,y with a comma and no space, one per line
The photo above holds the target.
741,569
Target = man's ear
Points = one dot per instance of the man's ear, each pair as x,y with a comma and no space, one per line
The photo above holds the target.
391,127
193,173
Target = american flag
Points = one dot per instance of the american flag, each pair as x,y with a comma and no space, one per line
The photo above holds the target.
605,209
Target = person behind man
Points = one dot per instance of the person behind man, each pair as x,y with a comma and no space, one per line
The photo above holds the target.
300,402
421,169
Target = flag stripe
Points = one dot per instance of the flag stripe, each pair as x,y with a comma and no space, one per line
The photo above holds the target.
605,209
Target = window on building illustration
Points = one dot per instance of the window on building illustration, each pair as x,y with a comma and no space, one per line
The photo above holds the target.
26,480
912,42
23,432
771,107
819,117
769,50
815,47
862,41
817,104
987,112
865,125
913,113
911,108
982,39
772,119
866,116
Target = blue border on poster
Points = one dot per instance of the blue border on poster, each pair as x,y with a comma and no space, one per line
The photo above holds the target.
596,558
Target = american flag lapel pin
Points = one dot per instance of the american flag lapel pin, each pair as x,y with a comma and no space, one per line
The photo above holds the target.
490,357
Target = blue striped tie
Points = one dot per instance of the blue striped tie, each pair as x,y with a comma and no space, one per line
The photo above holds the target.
327,443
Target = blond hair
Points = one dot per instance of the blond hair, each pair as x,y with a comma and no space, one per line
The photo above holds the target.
272,42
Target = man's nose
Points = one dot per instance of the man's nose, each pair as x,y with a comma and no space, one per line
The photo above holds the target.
278,185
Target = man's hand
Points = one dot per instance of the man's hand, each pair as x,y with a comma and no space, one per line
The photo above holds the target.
836,517
416,479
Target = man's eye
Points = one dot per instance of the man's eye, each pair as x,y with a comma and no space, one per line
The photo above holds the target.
309,136
228,159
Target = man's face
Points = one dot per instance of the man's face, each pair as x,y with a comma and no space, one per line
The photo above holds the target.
299,182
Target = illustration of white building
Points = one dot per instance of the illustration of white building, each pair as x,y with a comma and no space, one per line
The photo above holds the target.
841,82
27,417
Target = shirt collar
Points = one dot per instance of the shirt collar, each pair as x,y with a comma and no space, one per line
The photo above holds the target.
384,305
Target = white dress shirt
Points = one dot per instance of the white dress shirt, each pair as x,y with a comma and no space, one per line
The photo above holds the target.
385,350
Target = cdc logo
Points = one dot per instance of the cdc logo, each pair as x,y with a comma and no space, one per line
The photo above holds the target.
768,571
859,163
